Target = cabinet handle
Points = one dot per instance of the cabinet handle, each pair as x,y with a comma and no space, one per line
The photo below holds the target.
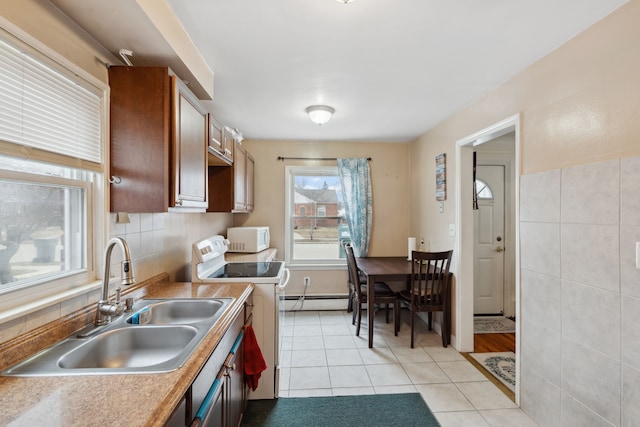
115,180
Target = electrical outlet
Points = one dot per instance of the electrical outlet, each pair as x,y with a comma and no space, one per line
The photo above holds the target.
307,281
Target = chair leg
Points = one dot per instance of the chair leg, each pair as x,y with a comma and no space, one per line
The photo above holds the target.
445,331
359,306
354,309
387,311
430,317
412,316
396,317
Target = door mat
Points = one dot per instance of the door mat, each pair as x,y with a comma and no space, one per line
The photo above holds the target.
493,325
500,365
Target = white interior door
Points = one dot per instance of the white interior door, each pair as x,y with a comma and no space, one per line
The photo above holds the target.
489,241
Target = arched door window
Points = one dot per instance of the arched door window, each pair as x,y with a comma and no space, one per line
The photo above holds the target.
483,191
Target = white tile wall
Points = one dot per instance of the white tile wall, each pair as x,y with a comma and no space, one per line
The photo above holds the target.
590,194
631,331
629,274
580,337
540,197
542,341
542,293
591,317
539,398
630,393
590,255
575,414
592,378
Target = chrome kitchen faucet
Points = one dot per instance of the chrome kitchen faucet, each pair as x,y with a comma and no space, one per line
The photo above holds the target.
106,310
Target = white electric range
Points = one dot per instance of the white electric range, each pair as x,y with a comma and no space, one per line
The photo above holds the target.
270,279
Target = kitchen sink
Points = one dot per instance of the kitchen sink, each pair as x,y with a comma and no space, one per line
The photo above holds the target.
178,311
130,348
172,329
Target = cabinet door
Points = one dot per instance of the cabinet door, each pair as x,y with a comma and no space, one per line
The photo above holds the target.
178,417
250,173
231,188
189,149
236,390
239,184
218,154
139,125
215,135
217,415
228,144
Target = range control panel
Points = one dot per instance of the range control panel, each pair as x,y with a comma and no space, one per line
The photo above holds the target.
210,248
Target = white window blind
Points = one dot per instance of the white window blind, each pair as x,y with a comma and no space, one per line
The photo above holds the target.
42,108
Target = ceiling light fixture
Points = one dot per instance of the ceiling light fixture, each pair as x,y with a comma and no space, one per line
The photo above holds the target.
320,114
345,1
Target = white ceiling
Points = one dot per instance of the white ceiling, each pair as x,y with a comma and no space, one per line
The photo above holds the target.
392,69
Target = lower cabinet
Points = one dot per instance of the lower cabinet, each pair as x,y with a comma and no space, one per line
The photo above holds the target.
218,395
229,397
179,415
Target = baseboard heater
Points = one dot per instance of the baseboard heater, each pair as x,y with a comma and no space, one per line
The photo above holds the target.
315,297
316,302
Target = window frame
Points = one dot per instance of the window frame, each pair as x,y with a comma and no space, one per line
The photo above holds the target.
22,301
307,264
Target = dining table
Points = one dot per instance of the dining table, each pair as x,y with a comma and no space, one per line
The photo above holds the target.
384,269
381,269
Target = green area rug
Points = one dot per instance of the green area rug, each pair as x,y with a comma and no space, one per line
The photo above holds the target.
342,411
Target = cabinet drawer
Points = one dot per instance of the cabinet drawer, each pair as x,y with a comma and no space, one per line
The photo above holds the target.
207,375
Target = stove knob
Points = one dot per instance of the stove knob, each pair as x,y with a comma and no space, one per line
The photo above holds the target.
227,242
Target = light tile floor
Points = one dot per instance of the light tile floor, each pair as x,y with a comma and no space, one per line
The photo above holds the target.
323,357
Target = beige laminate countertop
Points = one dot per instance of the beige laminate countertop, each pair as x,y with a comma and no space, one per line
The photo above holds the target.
117,399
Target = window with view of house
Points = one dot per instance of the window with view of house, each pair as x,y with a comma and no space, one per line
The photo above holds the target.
315,217
51,145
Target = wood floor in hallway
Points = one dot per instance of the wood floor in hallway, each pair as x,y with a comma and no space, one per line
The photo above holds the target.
490,343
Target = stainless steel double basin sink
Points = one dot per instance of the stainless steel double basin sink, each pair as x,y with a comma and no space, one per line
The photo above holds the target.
158,336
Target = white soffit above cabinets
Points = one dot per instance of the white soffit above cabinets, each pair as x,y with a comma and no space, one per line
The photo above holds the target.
391,69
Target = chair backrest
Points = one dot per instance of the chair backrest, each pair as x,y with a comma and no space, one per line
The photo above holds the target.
430,279
352,266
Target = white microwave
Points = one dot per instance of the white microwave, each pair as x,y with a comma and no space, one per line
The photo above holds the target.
248,239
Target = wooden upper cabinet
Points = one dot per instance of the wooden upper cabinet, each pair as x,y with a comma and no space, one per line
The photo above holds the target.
231,187
249,181
189,149
158,142
239,179
228,143
220,153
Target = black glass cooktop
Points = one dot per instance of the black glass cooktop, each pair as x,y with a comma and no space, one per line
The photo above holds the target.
247,269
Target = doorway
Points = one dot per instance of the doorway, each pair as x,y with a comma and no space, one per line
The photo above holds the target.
489,241
465,248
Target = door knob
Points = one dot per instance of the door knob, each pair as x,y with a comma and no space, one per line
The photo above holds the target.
499,249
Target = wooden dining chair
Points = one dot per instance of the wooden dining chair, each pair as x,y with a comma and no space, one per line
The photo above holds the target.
429,291
349,284
383,294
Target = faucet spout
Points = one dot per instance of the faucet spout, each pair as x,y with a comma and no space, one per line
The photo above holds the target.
107,310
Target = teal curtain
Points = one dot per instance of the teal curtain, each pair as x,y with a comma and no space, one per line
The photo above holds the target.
355,181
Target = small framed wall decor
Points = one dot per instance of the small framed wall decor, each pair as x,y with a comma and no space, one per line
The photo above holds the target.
441,177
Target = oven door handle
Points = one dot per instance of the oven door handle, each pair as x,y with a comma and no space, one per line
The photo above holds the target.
287,276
